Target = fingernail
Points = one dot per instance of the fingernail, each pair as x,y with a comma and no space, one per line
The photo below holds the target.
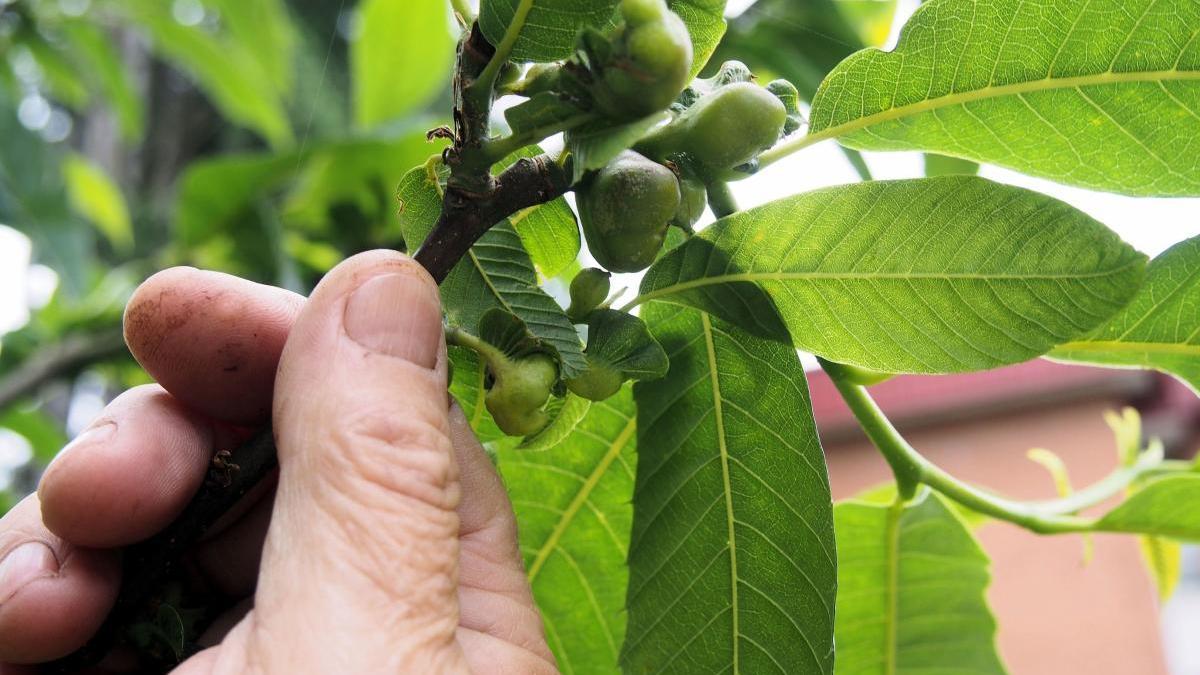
25,563
398,315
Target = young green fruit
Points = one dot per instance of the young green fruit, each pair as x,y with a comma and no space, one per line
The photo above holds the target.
625,210
651,64
724,129
589,289
693,199
520,391
598,383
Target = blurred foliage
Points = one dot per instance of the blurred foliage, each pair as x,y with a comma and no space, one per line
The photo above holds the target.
260,138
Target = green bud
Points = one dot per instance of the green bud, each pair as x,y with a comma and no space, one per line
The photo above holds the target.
589,289
519,393
625,210
598,383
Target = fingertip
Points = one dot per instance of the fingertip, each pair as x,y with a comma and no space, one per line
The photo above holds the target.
211,339
54,611
130,474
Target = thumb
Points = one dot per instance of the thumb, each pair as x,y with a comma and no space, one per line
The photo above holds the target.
359,570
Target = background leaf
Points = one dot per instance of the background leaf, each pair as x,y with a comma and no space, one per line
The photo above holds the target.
732,561
931,275
1160,328
573,516
1102,94
95,197
705,20
401,57
1163,559
911,592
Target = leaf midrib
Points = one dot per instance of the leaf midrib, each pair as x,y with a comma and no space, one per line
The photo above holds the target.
718,415
989,92
581,497
1123,347
755,277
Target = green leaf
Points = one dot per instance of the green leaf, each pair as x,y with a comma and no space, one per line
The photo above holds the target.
358,172
226,64
544,110
496,273
44,434
401,58
467,387
550,234
594,147
705,20
732,562
1168,506
944,165
911,592
94,50
96,197
623,341
573,518
1160,328
931,275
565,415
548,29
1102,94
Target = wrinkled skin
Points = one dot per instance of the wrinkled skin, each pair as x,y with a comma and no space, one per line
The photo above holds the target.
387,542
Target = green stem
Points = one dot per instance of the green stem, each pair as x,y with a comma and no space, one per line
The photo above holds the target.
497,149
487,79
721,199
458,337
912,469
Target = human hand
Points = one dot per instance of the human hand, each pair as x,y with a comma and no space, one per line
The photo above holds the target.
388,543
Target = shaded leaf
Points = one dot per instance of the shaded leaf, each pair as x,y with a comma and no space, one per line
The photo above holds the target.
623,341
45,435
1160,328
932,275
573,519
943,165
95,51
911,591
468,387
1102,94
565,415
401,57
594,147
732,562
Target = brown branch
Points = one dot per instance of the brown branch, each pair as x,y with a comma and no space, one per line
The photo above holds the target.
57,361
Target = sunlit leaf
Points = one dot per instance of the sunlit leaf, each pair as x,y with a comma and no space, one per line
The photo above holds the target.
931,275
1102,94
1168,506
911,592
573,519
732,562
1160,328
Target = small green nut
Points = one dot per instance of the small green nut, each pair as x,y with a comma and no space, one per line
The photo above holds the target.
787,94
599,382
625,210
589,289
693,200
541,77
651,64
519,393
723,130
